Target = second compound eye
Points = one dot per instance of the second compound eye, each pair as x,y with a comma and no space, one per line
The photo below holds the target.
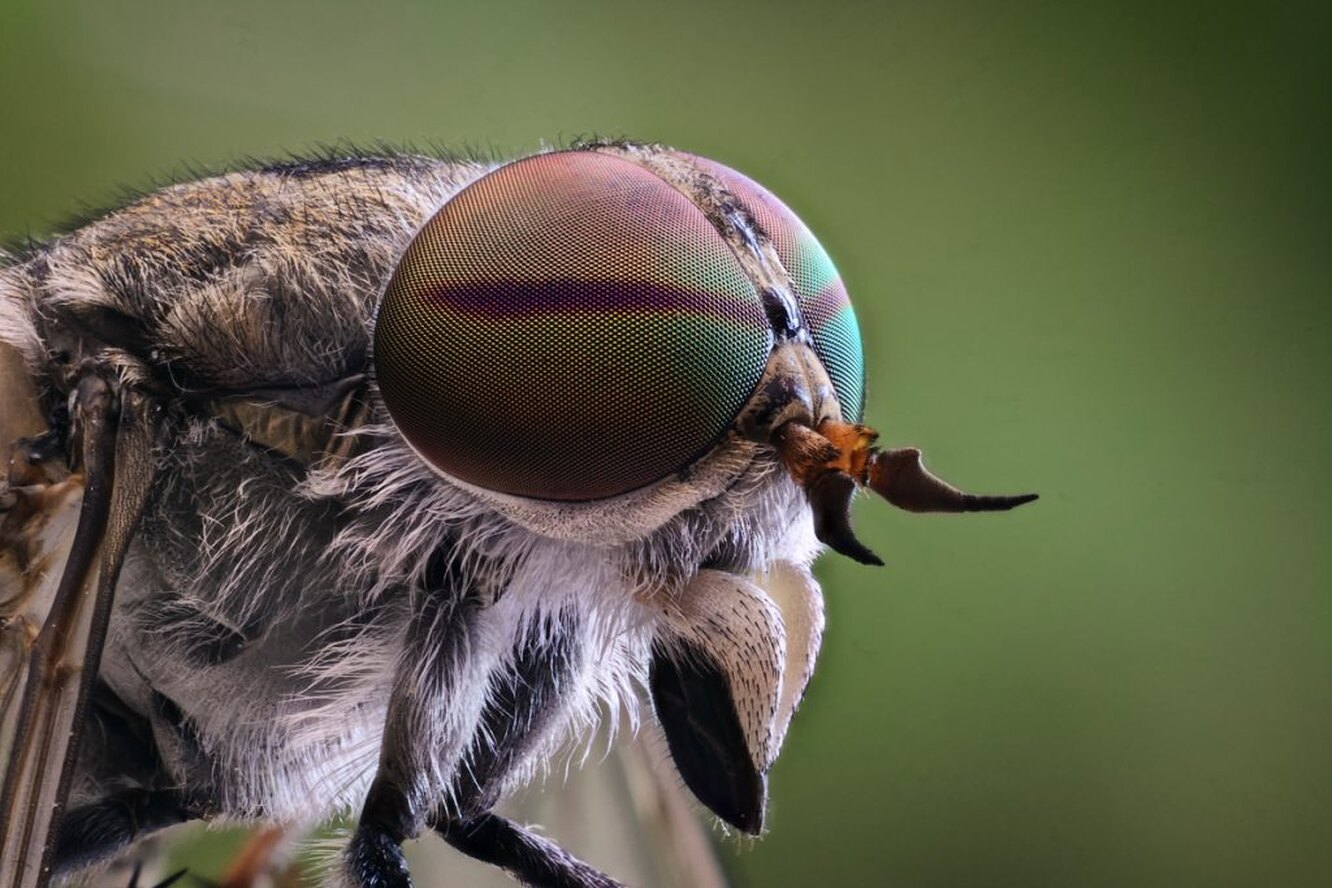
568,327
818,287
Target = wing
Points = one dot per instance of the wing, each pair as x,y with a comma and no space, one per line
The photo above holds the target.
59,574
37,521
41,506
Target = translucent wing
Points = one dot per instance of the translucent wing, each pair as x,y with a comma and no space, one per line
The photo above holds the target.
37,529
62,541
24,598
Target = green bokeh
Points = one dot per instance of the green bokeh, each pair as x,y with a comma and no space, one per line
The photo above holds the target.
1089,250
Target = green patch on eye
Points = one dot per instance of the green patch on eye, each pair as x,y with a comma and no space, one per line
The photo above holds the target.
838,345
813,269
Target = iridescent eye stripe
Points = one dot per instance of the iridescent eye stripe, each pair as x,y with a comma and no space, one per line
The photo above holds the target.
528,298
568,327
810,266
825,304
819,291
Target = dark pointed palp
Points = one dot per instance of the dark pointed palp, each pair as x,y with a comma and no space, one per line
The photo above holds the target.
830,498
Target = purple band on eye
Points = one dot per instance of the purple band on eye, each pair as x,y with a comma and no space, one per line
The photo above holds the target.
568,327
518,299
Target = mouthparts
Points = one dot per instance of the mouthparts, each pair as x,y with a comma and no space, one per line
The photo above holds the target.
835,459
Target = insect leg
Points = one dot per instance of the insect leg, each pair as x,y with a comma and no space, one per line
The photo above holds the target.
374,857
522,705
532,859
522,702
435,662
116,437
94,832
121,794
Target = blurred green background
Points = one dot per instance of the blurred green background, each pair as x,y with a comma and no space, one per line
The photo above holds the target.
1089,247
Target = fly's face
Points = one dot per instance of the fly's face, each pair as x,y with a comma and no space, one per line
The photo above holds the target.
596,340
640,362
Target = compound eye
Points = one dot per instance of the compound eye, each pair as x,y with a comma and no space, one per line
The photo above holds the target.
568,327
818,287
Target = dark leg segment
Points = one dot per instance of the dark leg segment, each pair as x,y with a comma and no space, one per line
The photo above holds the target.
374,857
522,704
436,650
95,832
126,795
531,859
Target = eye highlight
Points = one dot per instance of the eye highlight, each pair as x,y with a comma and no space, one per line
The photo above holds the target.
568,327
818,287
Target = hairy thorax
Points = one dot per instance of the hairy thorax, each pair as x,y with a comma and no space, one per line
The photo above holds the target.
264,606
